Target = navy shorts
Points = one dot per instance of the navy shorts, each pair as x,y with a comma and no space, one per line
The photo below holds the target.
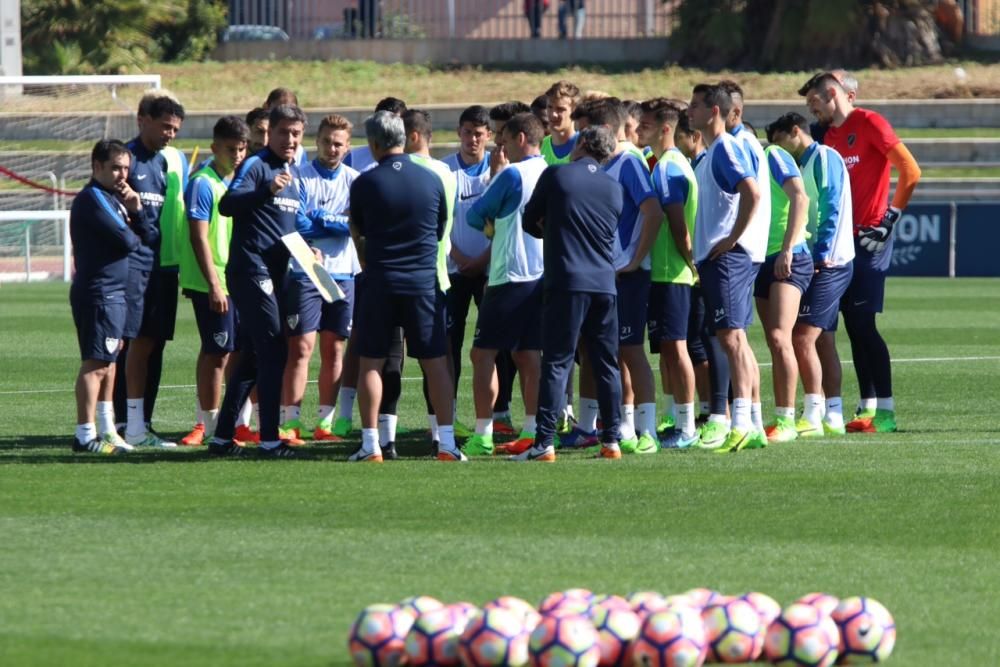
633,306
217,330
377,313
726,284
802,273
669,313
159,305
306,311
135,292
820,303
866,293
99,324
696,327
510,317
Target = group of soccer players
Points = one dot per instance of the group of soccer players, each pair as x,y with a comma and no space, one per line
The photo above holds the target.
673,223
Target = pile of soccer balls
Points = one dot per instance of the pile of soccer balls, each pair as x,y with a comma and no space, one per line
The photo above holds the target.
579,628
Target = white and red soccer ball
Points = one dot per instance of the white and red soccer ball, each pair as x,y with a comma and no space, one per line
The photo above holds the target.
564,641
867,631
617,629
671,638
802,636
378,635
433,638
733,631
495,637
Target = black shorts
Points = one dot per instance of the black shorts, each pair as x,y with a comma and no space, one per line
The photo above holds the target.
100,321
669,313
633,306
306,311
159,306
135,291
802,273
726,284
377,314
510,317
866,293
218,331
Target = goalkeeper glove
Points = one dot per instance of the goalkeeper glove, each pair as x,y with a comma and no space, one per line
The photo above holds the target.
873,239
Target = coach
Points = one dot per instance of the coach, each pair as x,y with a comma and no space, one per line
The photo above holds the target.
575,210
399,212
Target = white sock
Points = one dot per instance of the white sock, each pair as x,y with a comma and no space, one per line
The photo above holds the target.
244,417
387,428
447,436
645,418
742,421
105,417
812,408
290,412
529,424
685,418
835,410
668,404
719,419
86,432
369,440
324,413
627,426
756,417
211,420
255,409
484,427
867,404
704,408
880,403
135,427
787,413
345,403
432,420
588,415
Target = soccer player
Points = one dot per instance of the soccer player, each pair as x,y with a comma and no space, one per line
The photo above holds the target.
324,186
831,239
729,245
869,147
257,120
263,201
576,209
469,257
540,107
672,272
158,172
510,313
285,96
360,159
100,224
818,129
782,280
203,270
563,97
399,209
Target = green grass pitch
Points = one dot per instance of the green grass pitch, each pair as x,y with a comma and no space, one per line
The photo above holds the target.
169,558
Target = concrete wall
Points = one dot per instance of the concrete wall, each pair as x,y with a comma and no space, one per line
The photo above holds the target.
500,52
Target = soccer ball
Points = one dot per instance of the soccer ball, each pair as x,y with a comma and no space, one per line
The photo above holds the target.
493,638
673,638
617,629
522,608
464,610
378,636
824,602
733,632
699,598
433,638
767,607
802,636
564,641
645,603
578,600
867,631
610,602
418,604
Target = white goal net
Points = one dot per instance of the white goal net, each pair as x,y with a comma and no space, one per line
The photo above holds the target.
48,126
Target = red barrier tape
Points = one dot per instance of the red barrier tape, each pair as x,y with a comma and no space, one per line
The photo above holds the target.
34,184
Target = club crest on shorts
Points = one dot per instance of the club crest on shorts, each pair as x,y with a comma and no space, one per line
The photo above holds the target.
293,321
111,344
221,338
266,286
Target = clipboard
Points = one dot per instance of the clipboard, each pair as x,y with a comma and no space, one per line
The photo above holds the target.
318,276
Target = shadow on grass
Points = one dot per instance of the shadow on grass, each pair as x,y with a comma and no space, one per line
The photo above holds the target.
47,449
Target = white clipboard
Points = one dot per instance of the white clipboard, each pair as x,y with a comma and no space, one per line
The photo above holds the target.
318,276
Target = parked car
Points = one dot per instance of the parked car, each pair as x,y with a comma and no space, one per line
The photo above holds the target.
254,33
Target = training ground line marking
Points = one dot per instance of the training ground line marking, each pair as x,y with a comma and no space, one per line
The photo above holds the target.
917,360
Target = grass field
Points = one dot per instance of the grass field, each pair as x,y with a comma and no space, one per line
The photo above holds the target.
170,558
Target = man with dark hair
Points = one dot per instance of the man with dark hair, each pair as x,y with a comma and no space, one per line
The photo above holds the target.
399,209
727,249
540,107
360,159
324,185
501,113
575,208
281,96
203,270
100,228
869,147
831,241
509,316
263,201
850,84
257,120
158,172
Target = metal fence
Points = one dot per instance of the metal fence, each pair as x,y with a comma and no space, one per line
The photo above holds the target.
982,17
454,19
